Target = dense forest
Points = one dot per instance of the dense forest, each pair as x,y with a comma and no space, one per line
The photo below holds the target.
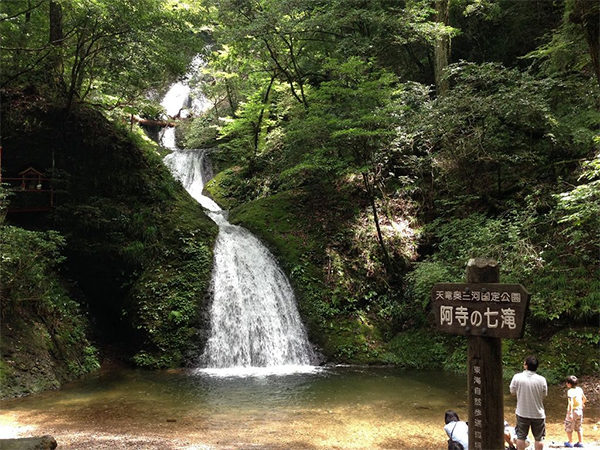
375,146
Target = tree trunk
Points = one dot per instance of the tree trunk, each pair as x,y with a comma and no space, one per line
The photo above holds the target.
56,38
56,30
230,99
152,122
28,12
442,48
587,13
387,262
259,121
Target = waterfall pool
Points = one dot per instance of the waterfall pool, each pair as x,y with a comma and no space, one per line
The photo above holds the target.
337,407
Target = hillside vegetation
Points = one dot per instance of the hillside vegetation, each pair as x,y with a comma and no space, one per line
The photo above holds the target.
374,146
130,251
376,162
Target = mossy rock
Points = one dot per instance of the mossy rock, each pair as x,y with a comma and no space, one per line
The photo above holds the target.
353,340
221,188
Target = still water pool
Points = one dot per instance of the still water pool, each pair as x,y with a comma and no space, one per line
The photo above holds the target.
338,407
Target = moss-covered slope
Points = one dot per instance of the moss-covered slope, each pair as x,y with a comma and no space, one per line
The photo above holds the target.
317,235
138,247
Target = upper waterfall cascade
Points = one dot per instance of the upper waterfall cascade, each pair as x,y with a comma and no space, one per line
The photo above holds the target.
255,324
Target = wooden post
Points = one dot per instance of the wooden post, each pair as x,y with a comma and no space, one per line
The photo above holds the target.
485,311
484,362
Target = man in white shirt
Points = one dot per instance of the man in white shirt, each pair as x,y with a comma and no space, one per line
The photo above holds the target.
530,389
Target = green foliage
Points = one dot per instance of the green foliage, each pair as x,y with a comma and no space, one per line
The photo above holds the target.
314,305
460,239
572,242
356,106
104,52
483,138
511,242
565,51
47,326
244,137
199,133
27,260
571,351
483,143
481,22
578,211
419,283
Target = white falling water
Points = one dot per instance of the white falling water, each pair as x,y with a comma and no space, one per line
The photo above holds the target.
189,167
181,101
255,325
167,138
254,321
176,99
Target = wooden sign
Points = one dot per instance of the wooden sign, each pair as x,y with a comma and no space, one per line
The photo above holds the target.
480,309
485,311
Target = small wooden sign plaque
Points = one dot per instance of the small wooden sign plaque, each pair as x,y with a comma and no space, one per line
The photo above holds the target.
480,309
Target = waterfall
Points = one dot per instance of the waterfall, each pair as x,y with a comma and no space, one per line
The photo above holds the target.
255,327
254,321
181,101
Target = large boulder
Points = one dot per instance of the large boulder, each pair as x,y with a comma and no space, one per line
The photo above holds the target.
31,443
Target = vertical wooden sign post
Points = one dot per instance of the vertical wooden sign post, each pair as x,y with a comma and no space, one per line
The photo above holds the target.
485,311
484,362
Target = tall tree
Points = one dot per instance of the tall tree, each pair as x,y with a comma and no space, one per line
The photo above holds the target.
442,46
587,14
358,109
56,40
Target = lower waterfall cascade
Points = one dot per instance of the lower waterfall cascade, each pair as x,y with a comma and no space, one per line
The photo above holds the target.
255,326
254,321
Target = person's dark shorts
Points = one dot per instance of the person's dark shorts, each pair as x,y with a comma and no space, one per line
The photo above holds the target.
538,428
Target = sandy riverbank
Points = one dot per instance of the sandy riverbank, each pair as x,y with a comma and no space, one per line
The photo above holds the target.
322,430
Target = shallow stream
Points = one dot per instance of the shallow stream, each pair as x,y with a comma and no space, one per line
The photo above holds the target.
341,407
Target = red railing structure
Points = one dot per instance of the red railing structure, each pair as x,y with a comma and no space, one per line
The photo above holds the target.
31,192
